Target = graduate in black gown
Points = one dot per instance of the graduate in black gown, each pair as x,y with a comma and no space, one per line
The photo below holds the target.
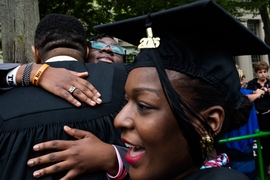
30,115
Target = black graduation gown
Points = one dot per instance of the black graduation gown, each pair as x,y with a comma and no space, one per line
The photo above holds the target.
218,173
30,115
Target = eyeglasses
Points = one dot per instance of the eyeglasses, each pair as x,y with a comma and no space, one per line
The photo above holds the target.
115,48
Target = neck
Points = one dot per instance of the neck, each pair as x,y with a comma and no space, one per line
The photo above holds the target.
261,81
211,155
63,52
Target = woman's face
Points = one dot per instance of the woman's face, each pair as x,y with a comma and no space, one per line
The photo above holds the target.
157,150
262,74
106,54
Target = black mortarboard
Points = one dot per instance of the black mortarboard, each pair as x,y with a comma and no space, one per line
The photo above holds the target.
198,39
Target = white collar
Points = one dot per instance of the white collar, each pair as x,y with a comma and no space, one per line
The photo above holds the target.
61,58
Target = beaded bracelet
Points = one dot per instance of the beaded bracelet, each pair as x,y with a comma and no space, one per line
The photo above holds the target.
26,74
38,74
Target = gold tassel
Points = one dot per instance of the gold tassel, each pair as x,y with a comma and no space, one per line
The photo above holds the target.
149,42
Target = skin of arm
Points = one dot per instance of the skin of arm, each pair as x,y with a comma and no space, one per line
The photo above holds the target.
256,94
59,80
76,152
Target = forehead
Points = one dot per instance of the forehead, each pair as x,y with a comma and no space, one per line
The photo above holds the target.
144,82
149,76
262,69
107,40
143,75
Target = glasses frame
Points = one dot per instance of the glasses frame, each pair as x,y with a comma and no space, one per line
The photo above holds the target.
114,47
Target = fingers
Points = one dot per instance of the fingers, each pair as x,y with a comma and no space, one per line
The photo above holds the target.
70,175
69,98
86,92
85,88
81,75
83,91
53,145
48,158
58,167
77,133
73,89
61,166
63,160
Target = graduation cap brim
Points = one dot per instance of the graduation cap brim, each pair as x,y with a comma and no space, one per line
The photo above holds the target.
204,19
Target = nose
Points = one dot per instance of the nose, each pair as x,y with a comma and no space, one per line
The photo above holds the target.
108,50
124,119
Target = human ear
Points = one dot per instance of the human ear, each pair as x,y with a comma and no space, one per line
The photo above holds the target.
214,116
87,54
36,55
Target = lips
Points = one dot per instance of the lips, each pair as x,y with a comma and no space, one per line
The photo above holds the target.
134,154
105,59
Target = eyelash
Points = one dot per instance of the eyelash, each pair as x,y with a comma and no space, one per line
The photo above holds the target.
143,107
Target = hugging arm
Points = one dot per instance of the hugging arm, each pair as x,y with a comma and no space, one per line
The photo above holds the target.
55,80
85,155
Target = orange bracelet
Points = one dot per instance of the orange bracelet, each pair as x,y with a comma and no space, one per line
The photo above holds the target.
38,74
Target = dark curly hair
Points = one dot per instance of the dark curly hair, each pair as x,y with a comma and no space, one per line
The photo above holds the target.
59,30
100,36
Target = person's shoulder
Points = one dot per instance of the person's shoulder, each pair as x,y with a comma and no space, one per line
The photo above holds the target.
221,173
8,66
252,84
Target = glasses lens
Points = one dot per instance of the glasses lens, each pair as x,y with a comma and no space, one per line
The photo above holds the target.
118,49
115,48
98,45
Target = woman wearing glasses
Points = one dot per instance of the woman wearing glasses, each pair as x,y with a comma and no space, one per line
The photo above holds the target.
104,48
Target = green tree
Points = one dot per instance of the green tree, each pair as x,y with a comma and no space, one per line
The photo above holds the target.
86,10
93,12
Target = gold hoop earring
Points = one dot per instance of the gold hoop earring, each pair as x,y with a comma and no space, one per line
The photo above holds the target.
207,143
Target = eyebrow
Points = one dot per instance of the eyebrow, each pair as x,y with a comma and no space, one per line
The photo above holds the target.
108,43
137,90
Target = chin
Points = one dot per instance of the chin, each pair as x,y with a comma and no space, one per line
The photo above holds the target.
142,174
136,174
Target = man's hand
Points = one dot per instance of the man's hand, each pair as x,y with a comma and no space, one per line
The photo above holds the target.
59,80
88,154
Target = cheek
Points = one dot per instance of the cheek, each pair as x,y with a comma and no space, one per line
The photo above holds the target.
92,55
118,58
163,134
166,150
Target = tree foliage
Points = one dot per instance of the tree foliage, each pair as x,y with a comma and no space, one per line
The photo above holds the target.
94,12
86,10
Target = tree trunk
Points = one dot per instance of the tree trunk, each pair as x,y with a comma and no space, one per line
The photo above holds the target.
265,18
19,19
266,23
